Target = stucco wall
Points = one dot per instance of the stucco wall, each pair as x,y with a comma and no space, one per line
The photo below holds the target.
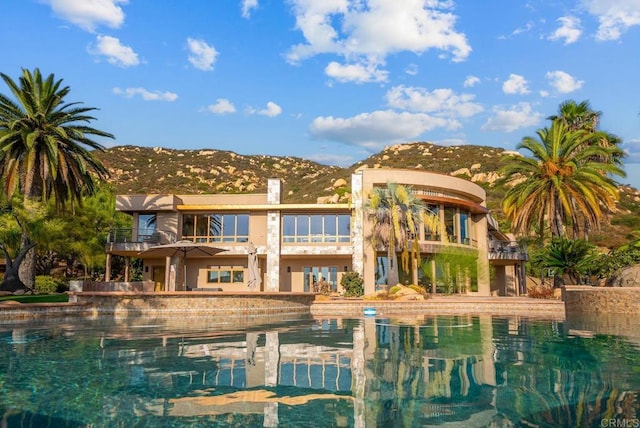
615,300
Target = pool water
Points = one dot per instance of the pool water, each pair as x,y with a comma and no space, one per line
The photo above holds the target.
471,371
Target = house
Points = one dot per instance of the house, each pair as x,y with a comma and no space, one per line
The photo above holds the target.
302,245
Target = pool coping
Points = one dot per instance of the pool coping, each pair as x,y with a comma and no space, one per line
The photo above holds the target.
81,306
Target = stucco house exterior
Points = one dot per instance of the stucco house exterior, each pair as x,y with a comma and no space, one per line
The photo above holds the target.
299,245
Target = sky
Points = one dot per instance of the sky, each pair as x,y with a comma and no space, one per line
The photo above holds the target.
333,81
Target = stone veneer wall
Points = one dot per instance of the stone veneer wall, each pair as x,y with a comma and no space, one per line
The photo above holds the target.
193,303
613,300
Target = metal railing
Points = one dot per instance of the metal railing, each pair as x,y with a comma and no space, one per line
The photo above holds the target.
509,250
134,235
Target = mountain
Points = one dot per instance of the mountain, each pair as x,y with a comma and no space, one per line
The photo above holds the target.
136,169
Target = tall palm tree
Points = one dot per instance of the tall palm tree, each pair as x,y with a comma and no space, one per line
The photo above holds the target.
396,212
45,147
580,116
564,181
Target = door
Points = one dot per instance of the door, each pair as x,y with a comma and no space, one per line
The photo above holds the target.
158,278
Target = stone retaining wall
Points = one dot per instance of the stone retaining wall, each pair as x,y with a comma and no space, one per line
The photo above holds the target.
121,304
30,311
611,300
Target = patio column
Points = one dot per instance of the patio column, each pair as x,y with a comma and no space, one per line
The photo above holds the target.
273,236
107,269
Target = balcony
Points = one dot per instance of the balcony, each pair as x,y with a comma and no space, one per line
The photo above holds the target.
130,241
507,251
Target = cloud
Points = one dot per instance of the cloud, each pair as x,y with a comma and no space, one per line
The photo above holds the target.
411,70
146,94
520,30
569,30
202,56
358,73
366,32
614,17
115,52
247,6
441,102
516,84
518,116
222,106
331,159
375,130
272,110
88,14
471,81
563,82
632,149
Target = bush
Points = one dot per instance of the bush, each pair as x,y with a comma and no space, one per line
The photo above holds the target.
352,284
395,289
541,292
418,289
46,284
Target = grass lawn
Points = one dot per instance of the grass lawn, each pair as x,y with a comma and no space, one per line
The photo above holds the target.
38,298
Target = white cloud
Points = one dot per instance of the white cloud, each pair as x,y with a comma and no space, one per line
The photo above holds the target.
331,159
471,81
441,102
632,149
202,56
115,52
358,73
569,30
247,6
516,84
222,106
375,130
366,32
563,82
614,16
88,14
518,116
411,70
146,94
272,110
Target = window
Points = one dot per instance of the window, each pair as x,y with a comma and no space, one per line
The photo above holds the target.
225,275
465,236
216,227
432,228
316,228
317,276
450,224
147,227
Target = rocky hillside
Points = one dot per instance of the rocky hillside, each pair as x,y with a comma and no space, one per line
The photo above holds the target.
158,170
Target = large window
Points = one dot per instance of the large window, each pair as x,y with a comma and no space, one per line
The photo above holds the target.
216,227
450,224
465,235
147,227
225,275
317,277
312,228
432,227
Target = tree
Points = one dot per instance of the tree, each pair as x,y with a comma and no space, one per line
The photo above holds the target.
568,258
565,181
396,212
45,146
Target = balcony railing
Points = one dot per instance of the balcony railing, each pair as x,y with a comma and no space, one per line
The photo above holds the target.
147,236
507,250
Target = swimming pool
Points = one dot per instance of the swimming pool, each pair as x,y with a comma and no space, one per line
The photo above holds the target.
455,370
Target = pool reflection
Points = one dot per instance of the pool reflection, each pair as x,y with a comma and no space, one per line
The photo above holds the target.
447,370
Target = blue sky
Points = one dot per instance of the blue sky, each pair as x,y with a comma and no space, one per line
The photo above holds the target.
333,80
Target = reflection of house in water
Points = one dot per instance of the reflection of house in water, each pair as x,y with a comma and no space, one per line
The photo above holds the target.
366,369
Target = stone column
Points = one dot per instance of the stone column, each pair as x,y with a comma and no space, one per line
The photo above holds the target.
274,197
357,233
107,270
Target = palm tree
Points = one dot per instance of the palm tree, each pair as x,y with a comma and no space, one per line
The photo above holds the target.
564,181
396,213
44,145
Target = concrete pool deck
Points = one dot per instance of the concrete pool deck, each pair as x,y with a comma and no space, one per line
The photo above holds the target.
128,304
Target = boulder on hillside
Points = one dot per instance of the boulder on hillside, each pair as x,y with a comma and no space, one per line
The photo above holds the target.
627,277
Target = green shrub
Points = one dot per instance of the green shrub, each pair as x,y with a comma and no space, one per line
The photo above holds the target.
352,284
46,284
418,289
395,289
